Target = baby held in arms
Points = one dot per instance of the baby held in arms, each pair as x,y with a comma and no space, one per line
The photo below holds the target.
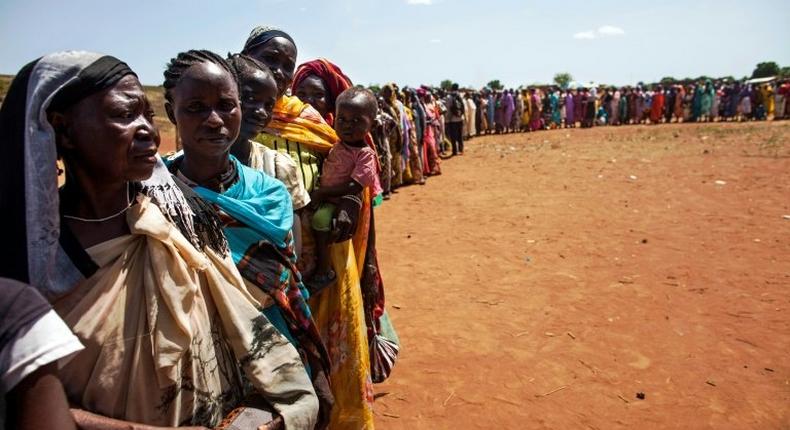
349,168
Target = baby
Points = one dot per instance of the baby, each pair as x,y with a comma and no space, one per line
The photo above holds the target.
349,168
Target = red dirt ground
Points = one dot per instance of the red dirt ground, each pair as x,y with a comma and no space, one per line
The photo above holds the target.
547,278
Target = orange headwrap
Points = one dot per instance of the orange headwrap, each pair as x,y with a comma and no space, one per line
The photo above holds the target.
335,80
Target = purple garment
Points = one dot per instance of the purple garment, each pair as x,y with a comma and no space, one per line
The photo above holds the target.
499,110
510,107
569,109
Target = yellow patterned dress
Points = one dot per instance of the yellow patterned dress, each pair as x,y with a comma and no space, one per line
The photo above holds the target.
299,130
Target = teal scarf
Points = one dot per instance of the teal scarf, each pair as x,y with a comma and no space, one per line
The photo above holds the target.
259,202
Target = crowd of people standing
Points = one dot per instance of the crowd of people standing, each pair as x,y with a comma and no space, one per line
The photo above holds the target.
550,107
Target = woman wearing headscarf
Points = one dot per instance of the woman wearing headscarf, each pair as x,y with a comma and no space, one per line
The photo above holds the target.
622,107
482,113
414,104
510,107
669,103
554,102
301,131
396,137
657,106
535,122
479,115
382,131
318,83
515,120
432,129
491,111
413,173
696,104
526,112
470,113
679,99
706,101
133,263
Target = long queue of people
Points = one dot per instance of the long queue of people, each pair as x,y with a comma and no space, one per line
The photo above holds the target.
549,107
232,284
418,127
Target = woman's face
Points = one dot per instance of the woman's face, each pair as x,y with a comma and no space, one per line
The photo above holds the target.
279,54
205,109
313,92
110,134
258,96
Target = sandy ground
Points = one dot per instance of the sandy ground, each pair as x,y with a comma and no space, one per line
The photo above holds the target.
547,278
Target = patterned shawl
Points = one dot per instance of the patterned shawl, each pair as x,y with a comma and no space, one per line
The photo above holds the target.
299,122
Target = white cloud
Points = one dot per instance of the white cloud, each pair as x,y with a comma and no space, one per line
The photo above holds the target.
610,30
421,2
584,35
436,40
603,31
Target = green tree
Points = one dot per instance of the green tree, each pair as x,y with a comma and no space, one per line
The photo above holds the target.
375,88
667,80
784,72
765,69
563,79
446,84
495,85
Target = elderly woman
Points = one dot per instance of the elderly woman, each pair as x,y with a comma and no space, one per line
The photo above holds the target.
301,131
135,267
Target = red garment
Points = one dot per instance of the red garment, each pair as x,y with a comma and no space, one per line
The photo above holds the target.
657,109
345,163
335,80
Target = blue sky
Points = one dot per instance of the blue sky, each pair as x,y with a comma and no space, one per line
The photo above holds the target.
423,41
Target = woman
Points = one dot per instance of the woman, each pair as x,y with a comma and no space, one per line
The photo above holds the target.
470,113
258,96
413,171
318,83
534,100
257,215
301,131
657,106
554,103
622,107
706,102
482,113
432,130
179,332
491,108
382,130
679,102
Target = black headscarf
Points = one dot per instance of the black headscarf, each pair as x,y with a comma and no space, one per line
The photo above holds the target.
101,74
13,259
260,35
